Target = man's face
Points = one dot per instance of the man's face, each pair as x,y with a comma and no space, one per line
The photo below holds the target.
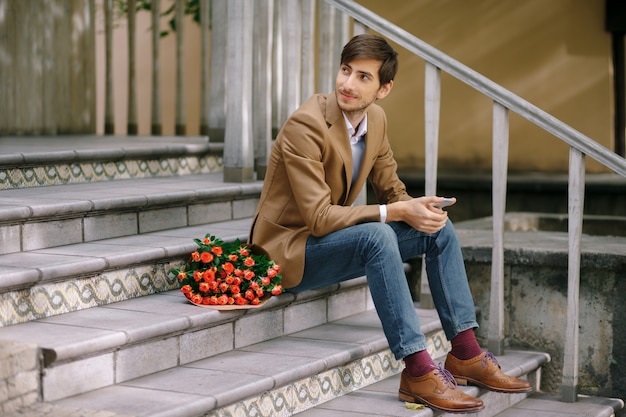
357,85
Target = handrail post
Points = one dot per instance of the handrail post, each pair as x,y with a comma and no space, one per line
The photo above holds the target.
432,107
576,198
500,156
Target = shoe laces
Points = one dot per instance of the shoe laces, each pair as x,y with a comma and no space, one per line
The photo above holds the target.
445,376
489,357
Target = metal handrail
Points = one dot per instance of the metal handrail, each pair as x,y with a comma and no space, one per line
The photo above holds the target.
481,83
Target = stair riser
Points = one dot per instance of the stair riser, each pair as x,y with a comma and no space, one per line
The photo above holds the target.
77,375
89,226
58,173
78,293
310,392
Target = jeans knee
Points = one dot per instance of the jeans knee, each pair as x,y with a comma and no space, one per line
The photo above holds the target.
380,236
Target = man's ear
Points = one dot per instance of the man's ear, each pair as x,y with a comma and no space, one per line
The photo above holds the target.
384,90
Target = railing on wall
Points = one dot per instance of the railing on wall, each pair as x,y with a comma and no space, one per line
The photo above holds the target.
503,102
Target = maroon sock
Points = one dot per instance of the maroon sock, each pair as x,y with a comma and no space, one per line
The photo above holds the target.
419,363
465,346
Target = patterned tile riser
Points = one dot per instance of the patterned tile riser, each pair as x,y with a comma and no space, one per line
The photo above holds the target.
60,297
310,392
86,172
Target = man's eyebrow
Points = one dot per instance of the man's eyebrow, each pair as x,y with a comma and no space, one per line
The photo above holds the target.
369,74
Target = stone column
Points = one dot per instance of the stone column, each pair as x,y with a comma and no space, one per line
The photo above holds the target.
291,21
218,79
328,62
238,143
262,89
308,49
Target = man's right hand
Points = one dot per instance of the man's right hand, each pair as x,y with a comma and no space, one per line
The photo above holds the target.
419,213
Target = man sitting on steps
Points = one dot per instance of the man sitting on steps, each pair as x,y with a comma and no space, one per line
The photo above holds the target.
305,220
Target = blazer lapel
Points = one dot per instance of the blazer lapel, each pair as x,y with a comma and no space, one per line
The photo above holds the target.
339,134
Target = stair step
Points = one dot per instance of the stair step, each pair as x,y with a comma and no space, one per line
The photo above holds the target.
39,218
48,282
114,343
543,405
344,361
276,377
39,161
380,399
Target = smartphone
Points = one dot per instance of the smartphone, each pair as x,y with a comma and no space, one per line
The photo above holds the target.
444,203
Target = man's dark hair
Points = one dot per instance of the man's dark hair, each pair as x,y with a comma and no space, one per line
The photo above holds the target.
373,47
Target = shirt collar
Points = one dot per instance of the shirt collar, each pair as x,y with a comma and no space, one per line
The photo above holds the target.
356,135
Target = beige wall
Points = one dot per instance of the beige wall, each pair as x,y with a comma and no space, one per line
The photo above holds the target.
555,54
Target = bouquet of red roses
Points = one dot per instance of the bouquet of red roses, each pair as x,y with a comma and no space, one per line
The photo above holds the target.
228,274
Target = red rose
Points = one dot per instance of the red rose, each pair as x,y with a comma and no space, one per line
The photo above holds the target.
182,275
248,274
197,275
206,257
249,294
209,275
195,256
228,268
277,290
249,261
217,250
244,252
206,241
271,272
232,257
265,281
185,289
196,299
204,287
235,289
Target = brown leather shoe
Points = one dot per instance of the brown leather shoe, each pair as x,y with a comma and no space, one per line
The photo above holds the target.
484,371
437,389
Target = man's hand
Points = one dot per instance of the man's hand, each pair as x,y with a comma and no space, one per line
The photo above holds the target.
419,213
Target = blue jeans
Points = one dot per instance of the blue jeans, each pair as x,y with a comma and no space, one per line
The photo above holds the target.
378,250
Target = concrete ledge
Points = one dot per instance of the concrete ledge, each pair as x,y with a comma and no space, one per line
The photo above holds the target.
37,150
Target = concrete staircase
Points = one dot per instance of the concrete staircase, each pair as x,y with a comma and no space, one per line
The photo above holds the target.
92,323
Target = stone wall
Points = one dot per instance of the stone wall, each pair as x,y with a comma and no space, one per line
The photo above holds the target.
19,375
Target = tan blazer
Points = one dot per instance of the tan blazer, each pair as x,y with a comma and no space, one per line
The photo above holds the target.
307,188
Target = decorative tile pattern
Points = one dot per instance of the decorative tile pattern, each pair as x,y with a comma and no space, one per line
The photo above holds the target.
84,172
318,389
50,299
309,392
